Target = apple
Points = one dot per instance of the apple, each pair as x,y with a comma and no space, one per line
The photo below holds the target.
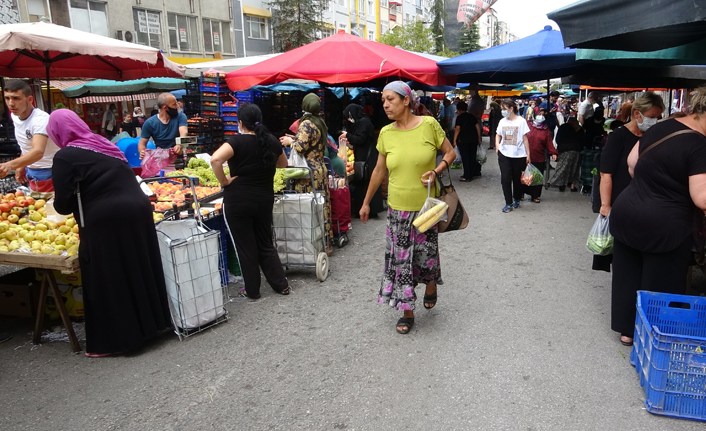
75,228
70,222
19,193
4,207
23,203
10,196
13,218
16,210
39,203
35,216
5,215
64,229
30,201
22,221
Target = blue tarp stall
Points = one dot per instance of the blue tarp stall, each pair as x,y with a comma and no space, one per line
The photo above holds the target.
533,58
105,87
631,25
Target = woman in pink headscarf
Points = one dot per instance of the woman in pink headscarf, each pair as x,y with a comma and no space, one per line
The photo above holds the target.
125,297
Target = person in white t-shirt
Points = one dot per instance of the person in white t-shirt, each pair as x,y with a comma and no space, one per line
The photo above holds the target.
38,150
586,107
511,146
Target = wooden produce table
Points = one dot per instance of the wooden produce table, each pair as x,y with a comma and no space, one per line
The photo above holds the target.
47,263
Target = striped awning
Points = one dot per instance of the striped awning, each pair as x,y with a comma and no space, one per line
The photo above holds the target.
63,84
108,99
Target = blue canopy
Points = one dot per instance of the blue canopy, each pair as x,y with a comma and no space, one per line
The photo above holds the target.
533,58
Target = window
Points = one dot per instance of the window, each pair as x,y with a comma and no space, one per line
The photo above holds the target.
370,6
407,20
183,34
148,27
89,16
342,3
37,9
383,3
361,7
383,28
326,33
216,36
371,35
258,27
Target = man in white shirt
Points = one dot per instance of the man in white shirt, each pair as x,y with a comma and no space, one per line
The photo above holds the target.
38,150
586,107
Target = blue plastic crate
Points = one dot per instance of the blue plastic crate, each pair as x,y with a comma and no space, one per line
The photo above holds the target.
229,108
230,128
212,89
669,353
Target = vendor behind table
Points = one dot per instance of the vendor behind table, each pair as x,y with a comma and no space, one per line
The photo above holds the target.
164,127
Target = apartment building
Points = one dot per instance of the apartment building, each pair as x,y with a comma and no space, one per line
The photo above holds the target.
181,28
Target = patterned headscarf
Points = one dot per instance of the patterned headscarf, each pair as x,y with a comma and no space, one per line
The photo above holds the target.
401,88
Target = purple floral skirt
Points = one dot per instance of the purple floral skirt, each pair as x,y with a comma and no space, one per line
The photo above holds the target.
410,258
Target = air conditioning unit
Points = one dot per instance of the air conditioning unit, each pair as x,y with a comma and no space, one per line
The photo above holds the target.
127,36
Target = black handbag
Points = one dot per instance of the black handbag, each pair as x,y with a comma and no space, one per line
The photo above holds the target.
361,170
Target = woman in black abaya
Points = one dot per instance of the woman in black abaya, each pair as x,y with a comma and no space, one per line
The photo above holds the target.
361,137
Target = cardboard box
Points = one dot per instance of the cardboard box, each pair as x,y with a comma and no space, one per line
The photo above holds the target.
19,293
70,286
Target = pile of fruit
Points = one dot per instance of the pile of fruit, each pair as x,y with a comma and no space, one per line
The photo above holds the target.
278,183
169,193
200,169
25,228
346,154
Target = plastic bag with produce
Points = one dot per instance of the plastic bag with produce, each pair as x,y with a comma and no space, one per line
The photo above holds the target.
433,211
532,176
481,154
600,241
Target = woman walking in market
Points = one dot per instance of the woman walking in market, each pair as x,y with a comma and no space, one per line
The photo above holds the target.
569,143
124,293
652,219
408,150
248,199
511,146
467,139
310,142
540,141
360,134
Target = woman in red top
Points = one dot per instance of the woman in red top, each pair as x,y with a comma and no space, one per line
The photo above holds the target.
539,140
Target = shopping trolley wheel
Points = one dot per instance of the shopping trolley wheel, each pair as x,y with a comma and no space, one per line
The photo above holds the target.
342,240
322,266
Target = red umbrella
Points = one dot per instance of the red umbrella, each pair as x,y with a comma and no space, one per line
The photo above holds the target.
340,59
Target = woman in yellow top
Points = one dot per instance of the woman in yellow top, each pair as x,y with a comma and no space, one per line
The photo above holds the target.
311,142
408,149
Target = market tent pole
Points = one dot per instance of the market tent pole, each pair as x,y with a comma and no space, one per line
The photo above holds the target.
669,107
47,66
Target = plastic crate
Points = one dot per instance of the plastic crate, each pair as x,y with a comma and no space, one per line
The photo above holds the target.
669,353
214,89
229,108
230,128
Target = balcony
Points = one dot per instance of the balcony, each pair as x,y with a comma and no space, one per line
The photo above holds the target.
393,17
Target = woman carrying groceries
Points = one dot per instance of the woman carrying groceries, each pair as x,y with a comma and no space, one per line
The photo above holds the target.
124,293
408,150
569,143
248,199
540,140
310,142
651,221
360,134
647,110
467,140
511,147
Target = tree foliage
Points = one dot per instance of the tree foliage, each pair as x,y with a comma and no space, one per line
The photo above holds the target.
295,22
410,37
437,25
448,53
469,40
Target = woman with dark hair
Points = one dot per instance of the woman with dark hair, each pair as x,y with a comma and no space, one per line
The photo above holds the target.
360,134
512,148
408,150
248,199
569,143
540,140
310,142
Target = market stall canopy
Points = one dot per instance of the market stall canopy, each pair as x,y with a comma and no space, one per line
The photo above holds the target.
31,50
692,54
340,59
229,65
631,25
533,58
639,77
105,87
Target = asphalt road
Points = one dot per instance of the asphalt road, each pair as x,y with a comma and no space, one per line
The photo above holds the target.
520,340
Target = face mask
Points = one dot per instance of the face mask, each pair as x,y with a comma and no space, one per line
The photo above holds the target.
646,123
173,112
351,120
539,119
505,113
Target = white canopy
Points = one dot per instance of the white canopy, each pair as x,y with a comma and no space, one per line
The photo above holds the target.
194,70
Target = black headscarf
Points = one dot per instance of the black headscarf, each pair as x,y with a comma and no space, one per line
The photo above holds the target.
355,112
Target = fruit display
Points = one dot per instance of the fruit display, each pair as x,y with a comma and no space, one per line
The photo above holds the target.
278,182
170,193
200,169
350,162
25,228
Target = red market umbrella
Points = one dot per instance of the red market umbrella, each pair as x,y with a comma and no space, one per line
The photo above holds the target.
340,59
44,50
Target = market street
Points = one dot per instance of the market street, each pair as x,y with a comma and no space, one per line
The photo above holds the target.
519,340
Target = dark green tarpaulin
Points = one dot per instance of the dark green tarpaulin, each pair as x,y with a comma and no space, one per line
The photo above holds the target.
104,87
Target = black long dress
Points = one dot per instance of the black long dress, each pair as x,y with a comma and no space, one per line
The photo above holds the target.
124,293
361,136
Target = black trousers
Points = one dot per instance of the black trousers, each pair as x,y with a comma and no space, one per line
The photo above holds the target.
250,227
536,191
511,169
634,270
471,167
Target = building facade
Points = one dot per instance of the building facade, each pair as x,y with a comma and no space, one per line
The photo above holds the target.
181,28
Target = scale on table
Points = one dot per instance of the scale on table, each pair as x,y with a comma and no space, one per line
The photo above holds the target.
185,141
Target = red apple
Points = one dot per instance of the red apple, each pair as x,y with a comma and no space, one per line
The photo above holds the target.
23,203
5,208
19,193
12,204
30,201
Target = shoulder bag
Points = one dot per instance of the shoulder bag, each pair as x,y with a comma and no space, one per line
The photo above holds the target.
361,170
457,216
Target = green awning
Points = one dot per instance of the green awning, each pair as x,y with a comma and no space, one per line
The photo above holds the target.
690,54
104,87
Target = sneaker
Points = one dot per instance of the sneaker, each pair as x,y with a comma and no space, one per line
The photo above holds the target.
507,208
516,204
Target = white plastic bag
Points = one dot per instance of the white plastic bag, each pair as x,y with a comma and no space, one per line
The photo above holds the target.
296,160
600,241
481,154
433,211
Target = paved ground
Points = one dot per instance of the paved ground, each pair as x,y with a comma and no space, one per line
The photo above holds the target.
520,340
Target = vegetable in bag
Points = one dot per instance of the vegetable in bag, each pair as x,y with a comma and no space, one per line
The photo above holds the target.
600,241
433,211
481,155
532,176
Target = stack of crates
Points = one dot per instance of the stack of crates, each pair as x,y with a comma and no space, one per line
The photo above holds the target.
669,353
213,90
